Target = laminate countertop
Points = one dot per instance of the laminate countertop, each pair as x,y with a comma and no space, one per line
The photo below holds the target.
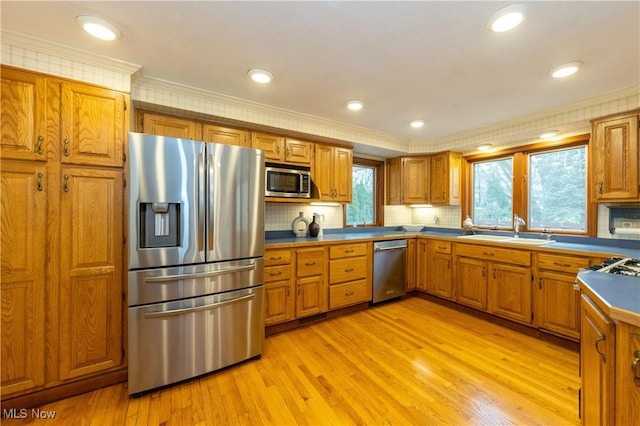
617,295
563,245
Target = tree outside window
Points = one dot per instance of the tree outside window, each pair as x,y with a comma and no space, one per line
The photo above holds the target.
366,205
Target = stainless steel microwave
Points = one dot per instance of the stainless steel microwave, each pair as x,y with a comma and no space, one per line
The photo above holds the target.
287,182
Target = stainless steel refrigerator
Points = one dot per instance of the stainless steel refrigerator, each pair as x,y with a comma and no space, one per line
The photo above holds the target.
196,247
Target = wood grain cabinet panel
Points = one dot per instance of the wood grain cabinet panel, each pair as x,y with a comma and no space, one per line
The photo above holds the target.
90,271
510,293
226,135
440,269
166,125
411,263
597,365
311,282
23,133
471,282
279,286
298,152
415,180
445,178
332,173
22,278
614,158
92,125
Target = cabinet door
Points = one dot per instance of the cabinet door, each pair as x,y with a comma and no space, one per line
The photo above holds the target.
22,278
627,374
422,269
510,293
91,271
444,178
279,302
298,152
323,171
93,125
415,180
411,264
22,114
311,295
559,304
165,125
225,135
614,152
273,146
393,171
471,282
342,174
597,365
440,275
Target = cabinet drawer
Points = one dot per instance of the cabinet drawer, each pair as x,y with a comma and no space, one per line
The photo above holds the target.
347,250
443,247
503,255
277,257
309,262
348,294
568,264
347,269
277,273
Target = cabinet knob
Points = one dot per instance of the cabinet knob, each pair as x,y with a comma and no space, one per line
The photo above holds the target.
66,183
634,367
39,187
601,187
39,149
66,148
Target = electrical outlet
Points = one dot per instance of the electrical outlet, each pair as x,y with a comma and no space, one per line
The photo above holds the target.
627,224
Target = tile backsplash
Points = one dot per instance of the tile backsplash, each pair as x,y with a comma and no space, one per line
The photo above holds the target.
280,216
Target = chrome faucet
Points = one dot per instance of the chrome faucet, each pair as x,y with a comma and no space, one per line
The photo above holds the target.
517,222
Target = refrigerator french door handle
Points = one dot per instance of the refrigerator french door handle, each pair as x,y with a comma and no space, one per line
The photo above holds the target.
160,314
211,195
201,201
166,278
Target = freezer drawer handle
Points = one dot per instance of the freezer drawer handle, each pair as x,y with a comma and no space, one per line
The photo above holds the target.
390,248
197,309
166,278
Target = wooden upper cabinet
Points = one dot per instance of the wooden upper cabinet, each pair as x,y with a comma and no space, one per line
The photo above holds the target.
94,125
614,158
332,172
23,115
22,279
166,125
225,135
273,146
445,179
415,180
393,172
299,152
280,149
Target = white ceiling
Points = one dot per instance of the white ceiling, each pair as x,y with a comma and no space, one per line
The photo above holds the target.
431,60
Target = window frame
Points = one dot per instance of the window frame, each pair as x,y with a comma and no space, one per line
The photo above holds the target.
520,205
378,167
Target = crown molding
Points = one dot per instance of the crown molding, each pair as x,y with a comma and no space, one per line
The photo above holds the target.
11,38
161,92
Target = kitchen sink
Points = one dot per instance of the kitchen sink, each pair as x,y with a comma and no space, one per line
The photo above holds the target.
510,240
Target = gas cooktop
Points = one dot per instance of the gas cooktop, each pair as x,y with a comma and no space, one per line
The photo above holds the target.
619,265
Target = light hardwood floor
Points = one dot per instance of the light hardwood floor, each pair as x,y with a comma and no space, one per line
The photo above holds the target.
405,363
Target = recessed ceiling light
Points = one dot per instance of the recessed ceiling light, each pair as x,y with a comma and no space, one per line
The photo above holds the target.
98,27
416,124
484,147
260,75
565,70
506,18
548,135
355,105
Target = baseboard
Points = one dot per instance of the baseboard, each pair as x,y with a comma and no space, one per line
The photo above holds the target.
66,390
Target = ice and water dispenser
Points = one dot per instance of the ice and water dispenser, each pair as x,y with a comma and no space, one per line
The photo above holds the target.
159,225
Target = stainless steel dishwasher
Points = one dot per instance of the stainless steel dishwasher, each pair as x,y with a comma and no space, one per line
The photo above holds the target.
389,264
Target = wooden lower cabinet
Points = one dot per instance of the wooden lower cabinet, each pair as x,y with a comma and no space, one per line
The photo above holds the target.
22,278
510,293
471,282
411,264
597,365
627,389
311,282
349,274
422,265
279,305
439,280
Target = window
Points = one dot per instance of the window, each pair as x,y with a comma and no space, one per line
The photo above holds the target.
558,190
546,185
366,199
493,193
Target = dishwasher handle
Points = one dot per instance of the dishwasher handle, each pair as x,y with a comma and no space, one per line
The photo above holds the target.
390,248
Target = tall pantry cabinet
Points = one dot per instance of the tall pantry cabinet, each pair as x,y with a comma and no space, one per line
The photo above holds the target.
62,177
